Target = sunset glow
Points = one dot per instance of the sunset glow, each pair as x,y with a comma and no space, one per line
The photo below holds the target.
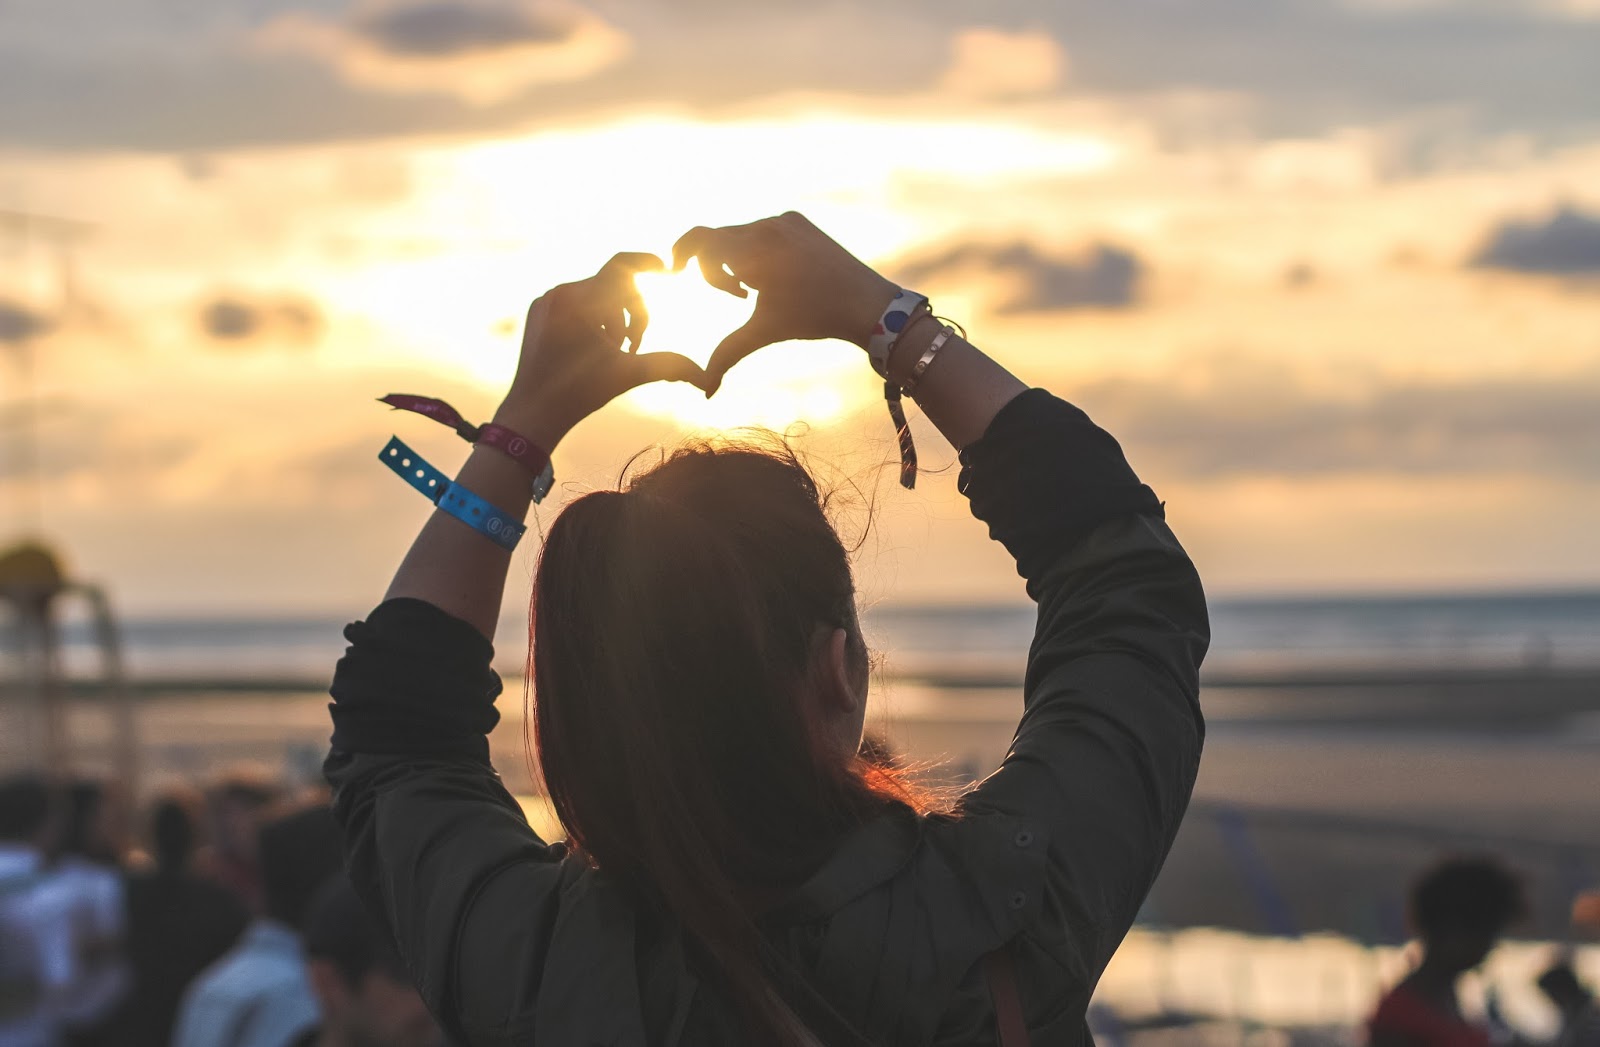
1246,297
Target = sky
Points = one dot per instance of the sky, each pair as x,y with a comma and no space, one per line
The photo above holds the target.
1329,269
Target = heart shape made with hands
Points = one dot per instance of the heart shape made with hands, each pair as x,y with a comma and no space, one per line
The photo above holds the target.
687,315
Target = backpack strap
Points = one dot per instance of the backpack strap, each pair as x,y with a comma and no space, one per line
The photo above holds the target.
1000,971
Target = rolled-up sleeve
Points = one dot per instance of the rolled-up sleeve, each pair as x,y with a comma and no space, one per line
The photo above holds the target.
435,844
1105,756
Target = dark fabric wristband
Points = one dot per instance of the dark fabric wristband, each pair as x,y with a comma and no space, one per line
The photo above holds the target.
415,681
1044,476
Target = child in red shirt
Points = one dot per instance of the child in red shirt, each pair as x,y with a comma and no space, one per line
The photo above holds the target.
1459,910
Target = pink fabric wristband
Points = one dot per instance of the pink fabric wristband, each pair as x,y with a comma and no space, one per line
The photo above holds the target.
520,449
514,446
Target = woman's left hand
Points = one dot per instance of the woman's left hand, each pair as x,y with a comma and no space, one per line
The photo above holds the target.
573,358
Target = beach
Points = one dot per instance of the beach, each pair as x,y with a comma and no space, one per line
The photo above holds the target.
1331,789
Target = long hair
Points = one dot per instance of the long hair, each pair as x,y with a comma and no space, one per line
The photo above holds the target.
673,625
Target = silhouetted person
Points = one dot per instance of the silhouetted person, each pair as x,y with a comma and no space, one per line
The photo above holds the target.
37,964
87,871
1459,910
235,807
366,994
177,924
259,994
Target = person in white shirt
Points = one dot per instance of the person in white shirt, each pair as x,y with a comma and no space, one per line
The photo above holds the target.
259,994
37,961
86,872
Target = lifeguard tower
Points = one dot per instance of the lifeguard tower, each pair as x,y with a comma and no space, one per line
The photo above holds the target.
50,723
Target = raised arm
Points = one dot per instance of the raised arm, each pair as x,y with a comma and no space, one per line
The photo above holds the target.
571,366
434,842
1105,756
1107,750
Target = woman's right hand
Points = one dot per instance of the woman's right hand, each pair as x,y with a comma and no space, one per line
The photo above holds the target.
809,286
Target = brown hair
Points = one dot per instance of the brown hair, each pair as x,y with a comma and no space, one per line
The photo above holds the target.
673,624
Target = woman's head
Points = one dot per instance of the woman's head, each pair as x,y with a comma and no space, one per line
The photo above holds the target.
699,687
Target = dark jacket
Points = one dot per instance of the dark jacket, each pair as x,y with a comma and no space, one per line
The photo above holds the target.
513,943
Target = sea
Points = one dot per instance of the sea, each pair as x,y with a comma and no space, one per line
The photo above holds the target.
1278,635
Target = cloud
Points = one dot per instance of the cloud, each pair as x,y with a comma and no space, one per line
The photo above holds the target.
1247,417
442,28
151,74
1565,244
234,319
1103,277
480,52
19,324
992,63
1300,275
109,442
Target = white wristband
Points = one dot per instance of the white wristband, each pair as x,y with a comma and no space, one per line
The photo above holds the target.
894,320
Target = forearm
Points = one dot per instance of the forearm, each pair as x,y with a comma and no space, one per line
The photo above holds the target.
962,390
454,567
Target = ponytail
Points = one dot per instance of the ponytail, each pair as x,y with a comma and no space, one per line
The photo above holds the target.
673,624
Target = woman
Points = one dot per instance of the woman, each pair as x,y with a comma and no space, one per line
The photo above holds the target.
736,873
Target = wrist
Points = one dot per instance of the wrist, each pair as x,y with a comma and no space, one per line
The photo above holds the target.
914,338
864,306
538,421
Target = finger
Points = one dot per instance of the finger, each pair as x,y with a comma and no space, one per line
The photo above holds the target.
690,245
627,263
638,320
664,367
732,349
720,278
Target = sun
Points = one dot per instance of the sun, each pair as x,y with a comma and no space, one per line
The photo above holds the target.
687,315
780,385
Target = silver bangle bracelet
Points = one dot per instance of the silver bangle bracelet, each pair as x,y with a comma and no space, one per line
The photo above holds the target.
909,386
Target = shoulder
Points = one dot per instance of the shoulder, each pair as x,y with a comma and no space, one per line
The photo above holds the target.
893,928
990,866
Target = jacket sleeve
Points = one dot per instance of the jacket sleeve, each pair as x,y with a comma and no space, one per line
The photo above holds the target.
1104,759
437,847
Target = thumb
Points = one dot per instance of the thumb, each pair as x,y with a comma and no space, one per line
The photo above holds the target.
735,347
665,367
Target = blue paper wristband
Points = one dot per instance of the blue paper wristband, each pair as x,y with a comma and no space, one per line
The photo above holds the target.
481,516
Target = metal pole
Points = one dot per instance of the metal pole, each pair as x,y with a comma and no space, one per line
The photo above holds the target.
116,695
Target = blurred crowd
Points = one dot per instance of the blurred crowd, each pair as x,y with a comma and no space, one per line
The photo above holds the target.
227,923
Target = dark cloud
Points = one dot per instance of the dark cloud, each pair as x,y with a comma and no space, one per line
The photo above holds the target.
1565,244
1105,277
232,318
1253,420
80,73
442,29
1300,274
19,324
